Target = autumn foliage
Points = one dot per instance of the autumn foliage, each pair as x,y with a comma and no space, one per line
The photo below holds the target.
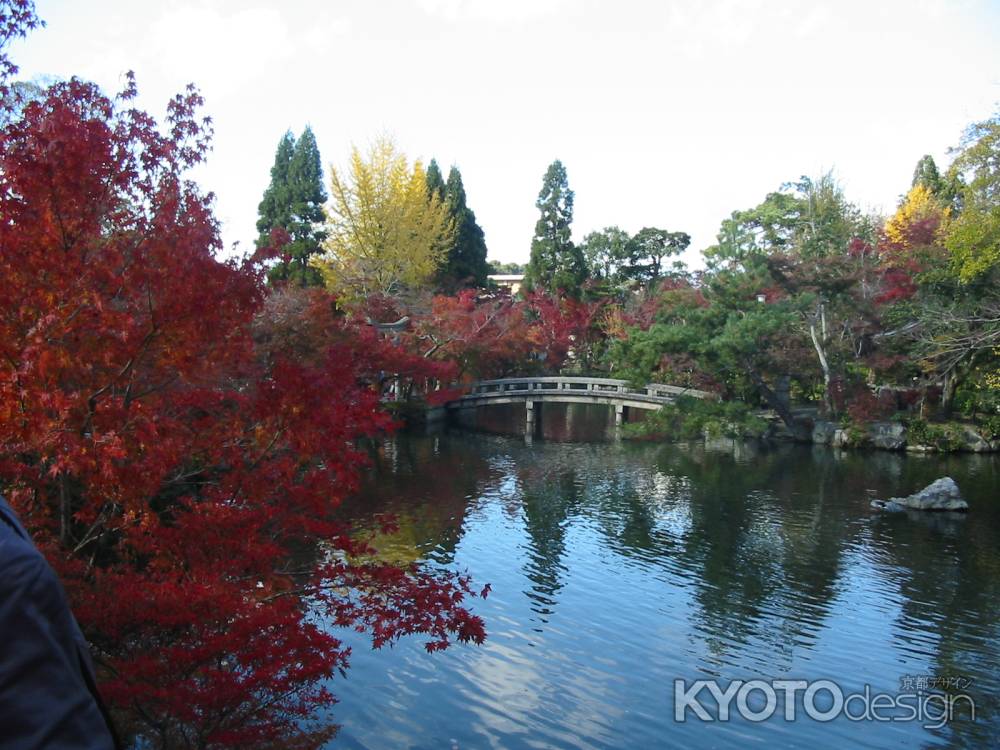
909,244
176,453
487,335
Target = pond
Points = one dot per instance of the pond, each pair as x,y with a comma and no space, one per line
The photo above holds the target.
619,568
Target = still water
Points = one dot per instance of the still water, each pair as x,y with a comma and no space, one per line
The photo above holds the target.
618,568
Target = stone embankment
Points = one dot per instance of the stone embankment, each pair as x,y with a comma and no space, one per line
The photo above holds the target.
897,436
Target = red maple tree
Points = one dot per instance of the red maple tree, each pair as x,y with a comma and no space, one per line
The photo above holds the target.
482,336
563,328
494,335
178,467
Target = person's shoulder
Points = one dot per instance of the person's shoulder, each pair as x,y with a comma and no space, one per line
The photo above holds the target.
21,564
10,520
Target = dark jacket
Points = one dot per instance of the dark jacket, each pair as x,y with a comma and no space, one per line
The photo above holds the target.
48,697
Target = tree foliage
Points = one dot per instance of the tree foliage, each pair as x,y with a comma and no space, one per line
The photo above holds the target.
166,454
386,234
723,341
464,263
802,247
810,218
293,203
973,238
493,336
496,267
604,252
556,265
17,18
275,207
926,174
484,337
647,252
916,221
953,327
435,181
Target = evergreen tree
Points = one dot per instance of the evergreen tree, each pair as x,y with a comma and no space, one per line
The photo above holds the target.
556,264
465,263
511,267
646,254
273,210
294,202
927,174
605,251
435,182
947,187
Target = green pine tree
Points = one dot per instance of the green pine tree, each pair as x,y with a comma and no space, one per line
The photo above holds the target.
465,263
926,173
294,202
273,210
435,182
945,187
556,264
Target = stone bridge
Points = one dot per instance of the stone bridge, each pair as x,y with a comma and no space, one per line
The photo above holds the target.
570,390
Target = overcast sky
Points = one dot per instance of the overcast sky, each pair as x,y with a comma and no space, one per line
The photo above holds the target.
668,114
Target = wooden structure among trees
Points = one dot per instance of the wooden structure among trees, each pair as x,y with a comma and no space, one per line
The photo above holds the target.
571,390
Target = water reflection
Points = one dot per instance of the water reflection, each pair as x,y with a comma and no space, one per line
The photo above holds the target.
547,507
553,421
617,568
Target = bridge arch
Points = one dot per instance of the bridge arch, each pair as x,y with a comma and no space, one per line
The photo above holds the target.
579,390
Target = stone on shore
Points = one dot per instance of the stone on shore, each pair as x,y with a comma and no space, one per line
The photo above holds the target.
889,436
823,432
973,441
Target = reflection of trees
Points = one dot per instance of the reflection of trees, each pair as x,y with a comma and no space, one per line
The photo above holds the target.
752,555
948,574
759,538
628,515
428,504
547,507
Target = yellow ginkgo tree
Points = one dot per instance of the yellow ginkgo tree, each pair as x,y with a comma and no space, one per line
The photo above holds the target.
385,233
917,219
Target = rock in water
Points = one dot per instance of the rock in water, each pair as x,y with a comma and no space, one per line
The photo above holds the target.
940,495
888,506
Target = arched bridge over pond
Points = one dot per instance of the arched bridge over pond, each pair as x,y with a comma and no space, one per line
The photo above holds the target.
570,390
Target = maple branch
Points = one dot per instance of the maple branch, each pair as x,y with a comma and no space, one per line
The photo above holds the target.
101,518
267,449
154,389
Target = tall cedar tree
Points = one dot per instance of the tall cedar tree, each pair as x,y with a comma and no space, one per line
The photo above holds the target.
273,210
293,202
166,462
926,173
465,263
435,182
556,264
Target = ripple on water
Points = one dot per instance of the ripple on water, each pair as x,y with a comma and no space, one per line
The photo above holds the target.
617,569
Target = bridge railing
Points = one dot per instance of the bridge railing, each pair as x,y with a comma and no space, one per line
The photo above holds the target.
556,384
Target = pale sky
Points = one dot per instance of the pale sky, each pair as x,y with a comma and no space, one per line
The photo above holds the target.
669,114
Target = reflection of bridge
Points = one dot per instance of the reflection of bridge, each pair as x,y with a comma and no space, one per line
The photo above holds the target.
535,391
